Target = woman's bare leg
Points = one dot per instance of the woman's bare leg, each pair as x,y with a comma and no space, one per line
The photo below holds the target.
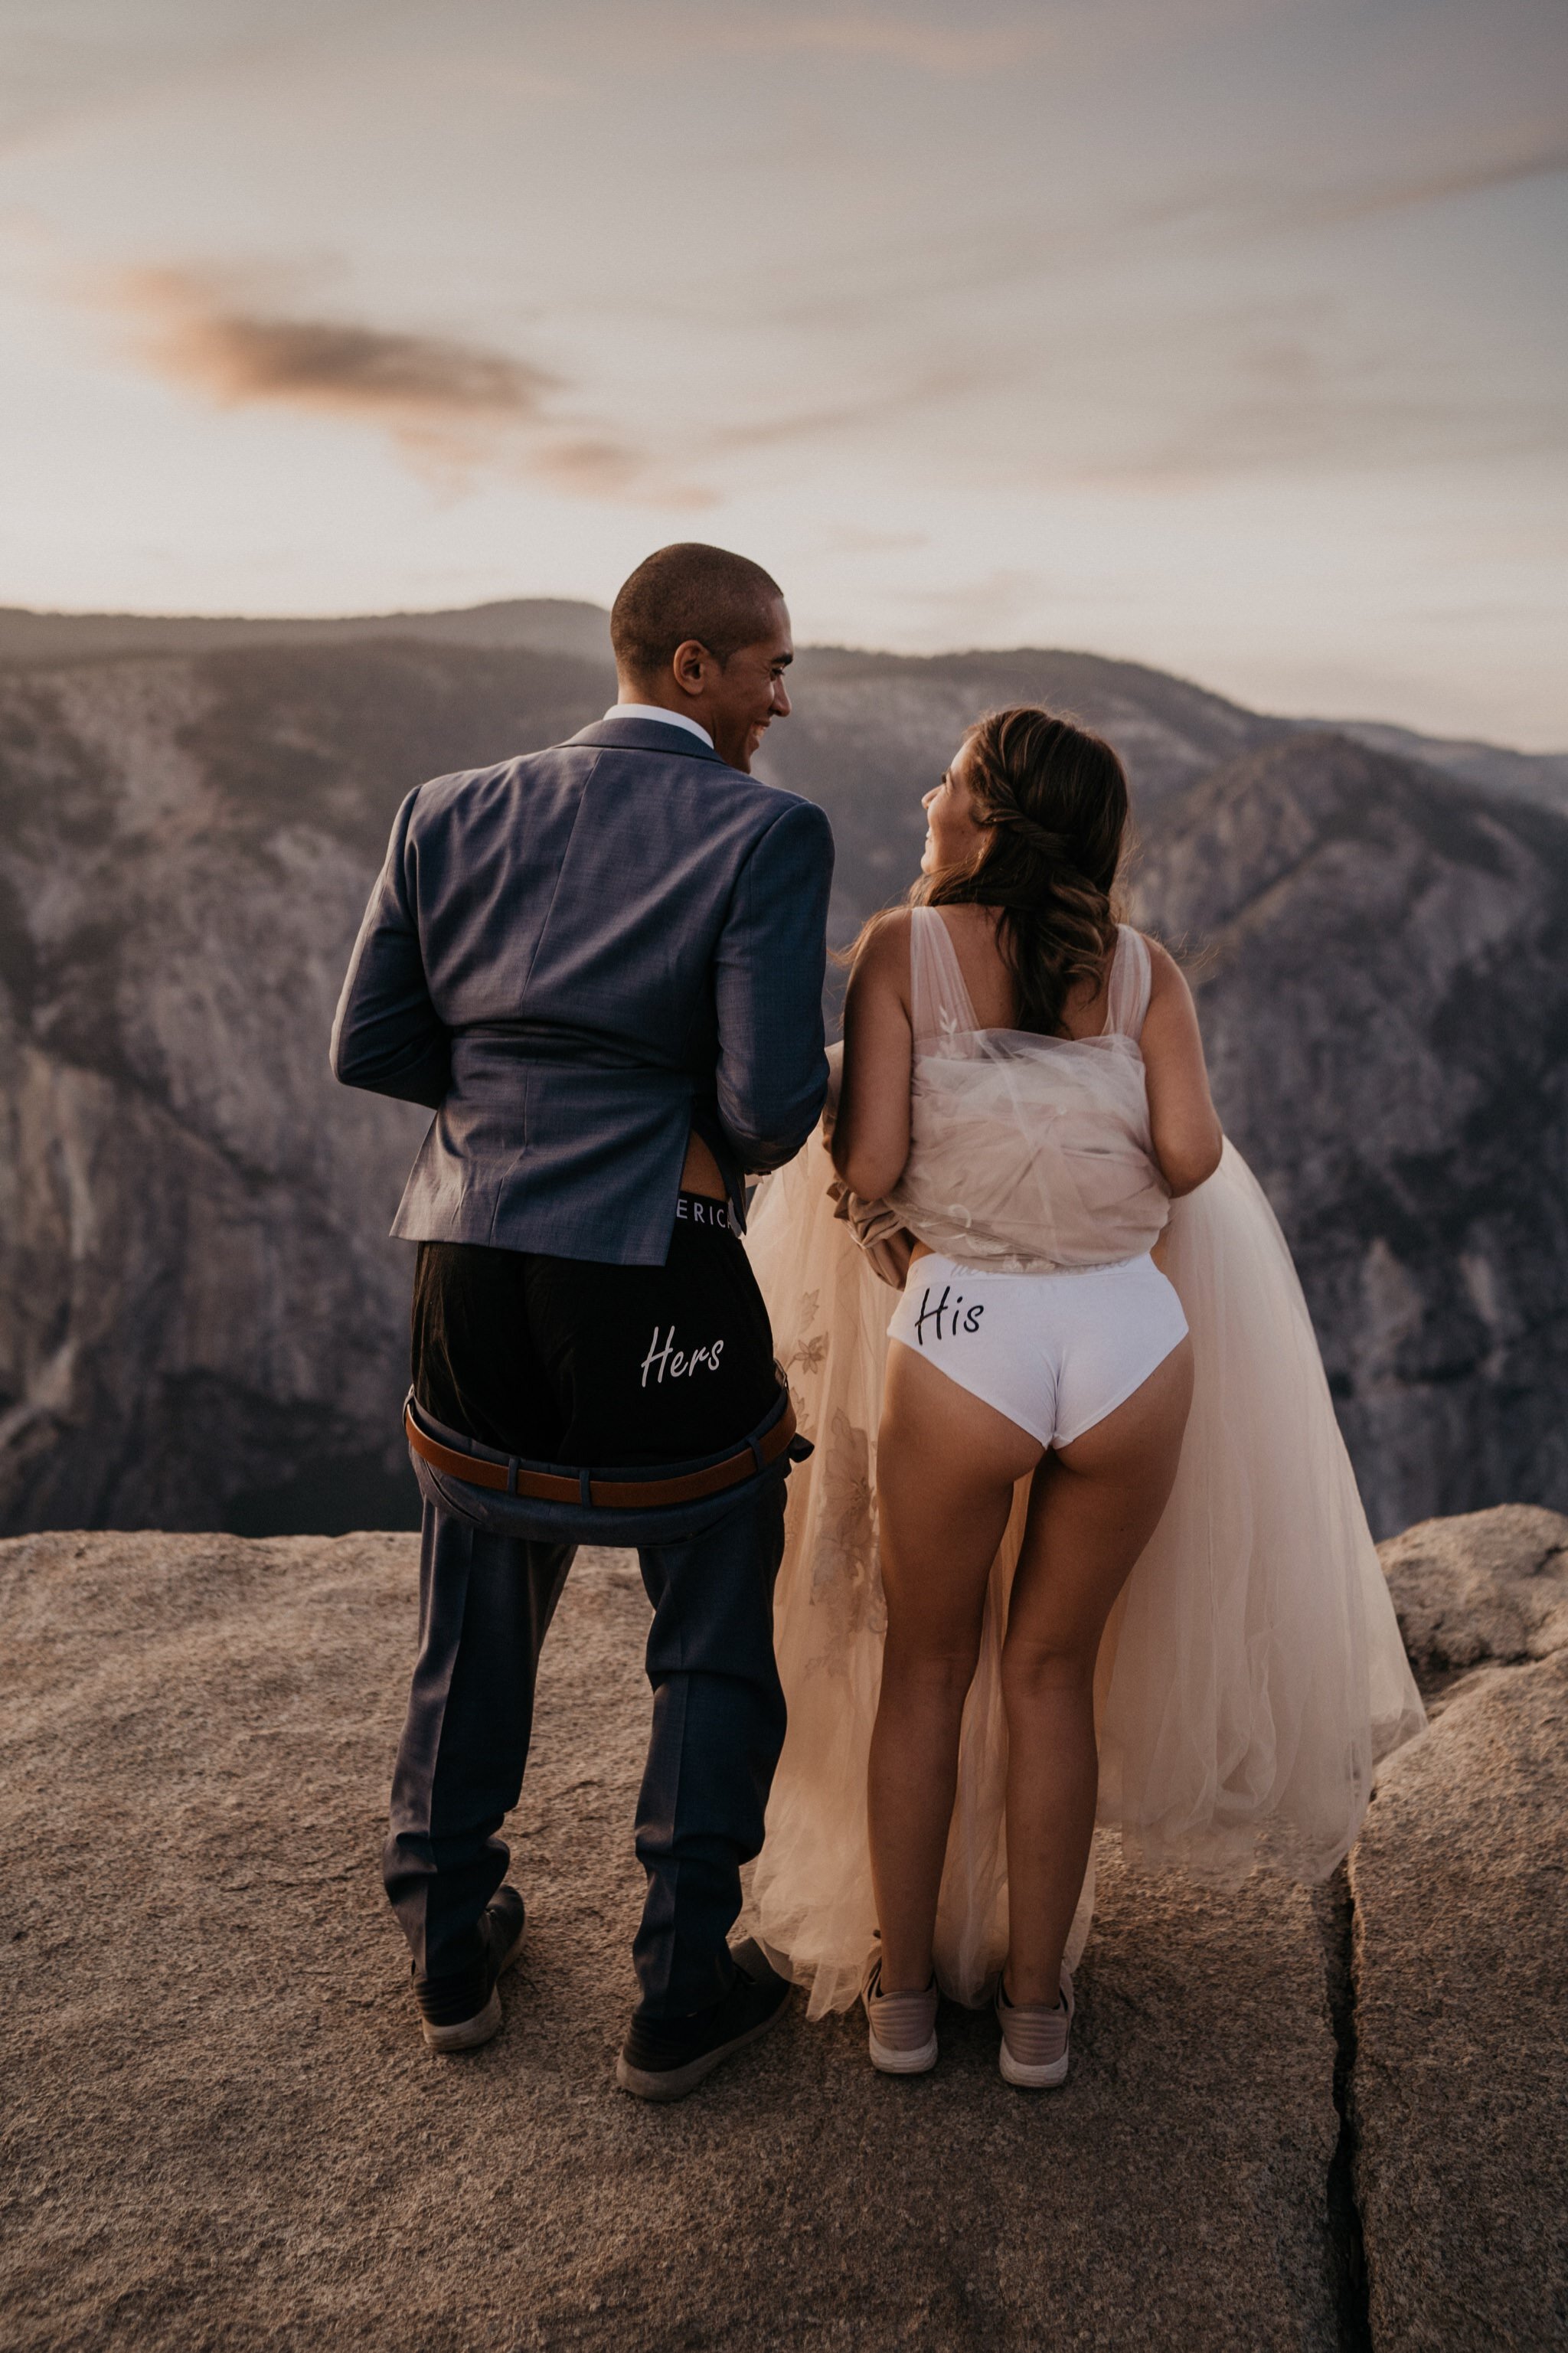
946,1468
1093,1507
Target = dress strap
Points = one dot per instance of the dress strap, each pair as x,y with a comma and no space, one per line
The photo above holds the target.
940,1003
1131,983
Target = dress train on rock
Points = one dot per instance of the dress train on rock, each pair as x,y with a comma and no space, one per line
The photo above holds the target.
1251,1676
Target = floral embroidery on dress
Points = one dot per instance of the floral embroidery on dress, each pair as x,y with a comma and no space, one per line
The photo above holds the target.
846,1566
807,1355
807,1352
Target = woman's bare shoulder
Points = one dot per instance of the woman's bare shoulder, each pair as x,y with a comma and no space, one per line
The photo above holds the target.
882,950
1170,995
1165,972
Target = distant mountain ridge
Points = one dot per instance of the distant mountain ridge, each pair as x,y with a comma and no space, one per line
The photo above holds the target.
578,630
202,1321
545,624
1540,776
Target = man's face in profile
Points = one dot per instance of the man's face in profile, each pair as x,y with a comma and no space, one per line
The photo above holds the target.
748,694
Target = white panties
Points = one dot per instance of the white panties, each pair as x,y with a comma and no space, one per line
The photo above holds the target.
1054,1353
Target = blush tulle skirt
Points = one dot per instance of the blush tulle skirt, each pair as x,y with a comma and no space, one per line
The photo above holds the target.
1251,1676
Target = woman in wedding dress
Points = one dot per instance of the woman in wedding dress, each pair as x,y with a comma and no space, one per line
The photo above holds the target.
1079,1537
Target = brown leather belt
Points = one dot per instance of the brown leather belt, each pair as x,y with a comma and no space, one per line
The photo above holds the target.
626,1494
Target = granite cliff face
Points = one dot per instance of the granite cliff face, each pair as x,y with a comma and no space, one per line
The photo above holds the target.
202,1323
203,1319
1385,1005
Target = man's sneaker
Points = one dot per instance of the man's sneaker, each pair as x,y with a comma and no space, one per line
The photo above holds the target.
462,2008
901,2027
1035,2039
665,2058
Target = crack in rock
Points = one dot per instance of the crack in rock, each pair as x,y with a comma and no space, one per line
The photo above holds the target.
1334,1905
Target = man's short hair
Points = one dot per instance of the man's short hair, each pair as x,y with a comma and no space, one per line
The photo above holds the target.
690,590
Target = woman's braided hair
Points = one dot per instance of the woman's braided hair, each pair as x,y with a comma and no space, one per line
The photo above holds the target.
1052,800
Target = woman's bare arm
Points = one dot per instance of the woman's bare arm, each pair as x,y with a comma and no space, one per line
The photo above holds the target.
1185,1129
871,1137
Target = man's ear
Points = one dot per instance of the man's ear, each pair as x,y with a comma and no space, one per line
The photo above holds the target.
688,664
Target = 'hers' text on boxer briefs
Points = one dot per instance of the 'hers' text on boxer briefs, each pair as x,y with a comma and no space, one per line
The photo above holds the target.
679,1363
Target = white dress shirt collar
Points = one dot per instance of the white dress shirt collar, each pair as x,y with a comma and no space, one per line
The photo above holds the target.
665,718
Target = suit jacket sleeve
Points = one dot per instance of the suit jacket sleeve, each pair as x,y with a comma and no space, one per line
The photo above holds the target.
387,1036
772,1070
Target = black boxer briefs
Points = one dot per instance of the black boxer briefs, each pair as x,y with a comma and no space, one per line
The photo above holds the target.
566,1360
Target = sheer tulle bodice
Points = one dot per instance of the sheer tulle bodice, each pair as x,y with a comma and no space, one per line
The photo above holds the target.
1027,1155
1252,1673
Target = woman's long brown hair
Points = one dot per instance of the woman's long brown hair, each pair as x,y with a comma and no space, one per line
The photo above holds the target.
1052,800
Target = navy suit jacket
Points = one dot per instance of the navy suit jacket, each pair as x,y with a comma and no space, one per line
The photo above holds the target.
575,959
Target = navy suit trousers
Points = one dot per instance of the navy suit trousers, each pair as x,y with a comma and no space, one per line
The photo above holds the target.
491,1571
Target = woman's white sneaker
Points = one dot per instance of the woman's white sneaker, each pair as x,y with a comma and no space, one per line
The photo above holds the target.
1034,2053
902,2037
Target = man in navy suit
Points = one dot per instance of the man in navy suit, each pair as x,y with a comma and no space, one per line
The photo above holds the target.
601,967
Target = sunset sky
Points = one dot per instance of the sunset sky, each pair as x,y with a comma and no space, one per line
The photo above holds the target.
1224,334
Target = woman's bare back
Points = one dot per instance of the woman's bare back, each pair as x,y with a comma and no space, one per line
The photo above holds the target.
972,931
